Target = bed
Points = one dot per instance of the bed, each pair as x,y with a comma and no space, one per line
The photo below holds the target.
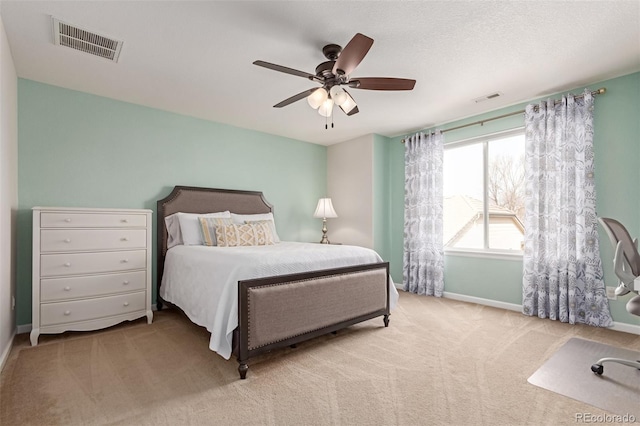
259,298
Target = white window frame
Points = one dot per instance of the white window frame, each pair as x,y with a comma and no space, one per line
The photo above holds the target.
485,252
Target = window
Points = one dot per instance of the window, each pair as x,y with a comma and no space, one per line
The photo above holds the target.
484,193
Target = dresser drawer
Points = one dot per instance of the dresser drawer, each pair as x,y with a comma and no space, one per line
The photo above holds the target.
82,310
52,240
52,289
92,220
52,265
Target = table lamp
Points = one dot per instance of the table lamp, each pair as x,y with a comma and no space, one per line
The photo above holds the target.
325,210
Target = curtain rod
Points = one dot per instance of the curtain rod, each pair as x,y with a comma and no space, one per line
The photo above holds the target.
600,91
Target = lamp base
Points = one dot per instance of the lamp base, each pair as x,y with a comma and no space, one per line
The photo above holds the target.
324,239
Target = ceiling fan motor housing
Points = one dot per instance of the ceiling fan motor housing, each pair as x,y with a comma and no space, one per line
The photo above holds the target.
331,51
325,69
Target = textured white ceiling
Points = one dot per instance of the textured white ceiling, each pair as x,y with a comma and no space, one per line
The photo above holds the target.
195,58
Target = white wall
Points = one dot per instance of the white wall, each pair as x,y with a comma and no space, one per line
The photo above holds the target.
350,186
8,193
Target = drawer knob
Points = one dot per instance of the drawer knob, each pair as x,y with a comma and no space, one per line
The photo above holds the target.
68,220
67,313
124,220
124,239
67,288
125,282
67,264
67,240
125,260
125,304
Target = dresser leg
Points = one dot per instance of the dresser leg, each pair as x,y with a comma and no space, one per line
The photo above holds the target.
149,317
35,333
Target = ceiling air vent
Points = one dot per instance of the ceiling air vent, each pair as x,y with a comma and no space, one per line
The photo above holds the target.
65,34
487,97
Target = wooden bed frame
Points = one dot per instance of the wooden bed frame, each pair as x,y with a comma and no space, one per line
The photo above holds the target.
280,311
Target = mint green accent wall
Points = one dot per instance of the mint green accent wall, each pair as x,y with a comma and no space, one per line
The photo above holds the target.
617,167
381,193
81,150
617,158
484,278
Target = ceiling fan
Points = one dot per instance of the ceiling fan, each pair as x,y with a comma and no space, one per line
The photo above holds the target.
335,73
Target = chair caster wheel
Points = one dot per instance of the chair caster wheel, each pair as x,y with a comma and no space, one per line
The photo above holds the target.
598,369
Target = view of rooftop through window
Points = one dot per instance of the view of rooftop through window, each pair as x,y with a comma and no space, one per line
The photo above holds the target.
468,187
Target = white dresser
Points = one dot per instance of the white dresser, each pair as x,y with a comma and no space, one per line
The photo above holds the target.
91,268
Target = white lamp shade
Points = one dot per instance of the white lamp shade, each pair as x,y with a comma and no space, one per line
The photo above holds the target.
348,104
317,97
326,108
338,95
325,209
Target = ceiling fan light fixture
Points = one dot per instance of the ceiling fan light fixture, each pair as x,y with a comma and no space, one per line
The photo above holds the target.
317,98
338,95
349,104
326,108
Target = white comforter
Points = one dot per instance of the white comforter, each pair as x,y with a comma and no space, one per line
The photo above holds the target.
202,280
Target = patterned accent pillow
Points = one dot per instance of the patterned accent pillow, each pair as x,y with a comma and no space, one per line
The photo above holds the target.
246,218
208,227
247,234
269,224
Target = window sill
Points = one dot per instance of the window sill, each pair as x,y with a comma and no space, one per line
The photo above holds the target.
485,254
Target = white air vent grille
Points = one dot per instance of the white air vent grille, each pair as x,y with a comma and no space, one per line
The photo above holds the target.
487,97
65,34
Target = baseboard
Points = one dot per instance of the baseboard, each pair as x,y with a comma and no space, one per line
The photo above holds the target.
477,300
627,328
617,326
6,352
24,328
481,301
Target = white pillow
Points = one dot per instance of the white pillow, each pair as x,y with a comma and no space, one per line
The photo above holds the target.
174,237
190,226
247,218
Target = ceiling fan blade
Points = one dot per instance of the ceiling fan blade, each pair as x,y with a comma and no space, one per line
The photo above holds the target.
352,54
382,83
285,70
295,98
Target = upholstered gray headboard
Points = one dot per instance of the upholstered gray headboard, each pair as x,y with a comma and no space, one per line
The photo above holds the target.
190,199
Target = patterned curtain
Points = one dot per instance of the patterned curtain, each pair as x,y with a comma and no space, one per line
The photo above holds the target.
562,271
423,260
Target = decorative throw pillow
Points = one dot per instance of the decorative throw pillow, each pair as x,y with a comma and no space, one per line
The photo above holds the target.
269,224
246,218
248,234
208,227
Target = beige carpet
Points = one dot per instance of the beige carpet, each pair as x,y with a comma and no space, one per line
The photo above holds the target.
439,362
568,372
